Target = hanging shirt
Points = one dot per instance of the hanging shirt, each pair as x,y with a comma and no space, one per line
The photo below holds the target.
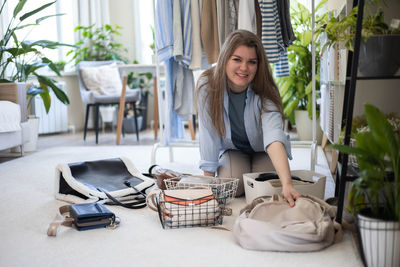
164,39
223,14
271,37
286,24
182,32
233,6
260,135
209,30
195,62
247,16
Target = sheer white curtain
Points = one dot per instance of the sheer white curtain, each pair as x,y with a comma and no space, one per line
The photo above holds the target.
143,15
3,19
90,12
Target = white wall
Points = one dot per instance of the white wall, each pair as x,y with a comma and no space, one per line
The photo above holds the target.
76,109
121,13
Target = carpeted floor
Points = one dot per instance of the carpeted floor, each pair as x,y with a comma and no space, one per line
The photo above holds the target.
27,206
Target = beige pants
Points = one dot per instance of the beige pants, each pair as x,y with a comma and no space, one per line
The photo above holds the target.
233,163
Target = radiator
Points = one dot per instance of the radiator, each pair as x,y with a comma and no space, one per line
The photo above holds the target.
56,121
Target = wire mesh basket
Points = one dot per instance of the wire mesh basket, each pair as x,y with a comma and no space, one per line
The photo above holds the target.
227,186
207,210
378,240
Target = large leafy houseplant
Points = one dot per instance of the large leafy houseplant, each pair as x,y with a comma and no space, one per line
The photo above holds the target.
21,60
296,89
98,44
378,157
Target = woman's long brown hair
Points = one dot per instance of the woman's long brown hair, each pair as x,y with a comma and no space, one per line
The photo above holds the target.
215,78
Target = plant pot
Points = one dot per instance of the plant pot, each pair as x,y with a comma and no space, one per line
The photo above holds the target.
304,126
380,55
107,113
128,124
379,241
33,124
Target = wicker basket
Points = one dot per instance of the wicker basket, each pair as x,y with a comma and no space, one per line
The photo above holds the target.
183,213
227,186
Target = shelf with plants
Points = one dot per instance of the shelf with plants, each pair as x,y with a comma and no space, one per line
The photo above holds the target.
375,193
353,42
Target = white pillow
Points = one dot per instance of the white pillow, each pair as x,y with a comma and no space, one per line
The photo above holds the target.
102,80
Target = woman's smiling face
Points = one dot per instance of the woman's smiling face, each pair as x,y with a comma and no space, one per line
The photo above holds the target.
241,68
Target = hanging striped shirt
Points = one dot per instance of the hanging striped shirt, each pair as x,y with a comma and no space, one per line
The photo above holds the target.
271,37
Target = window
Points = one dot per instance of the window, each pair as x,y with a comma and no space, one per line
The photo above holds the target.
144,21
58,28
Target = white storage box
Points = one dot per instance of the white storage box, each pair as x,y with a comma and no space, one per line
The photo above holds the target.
254,188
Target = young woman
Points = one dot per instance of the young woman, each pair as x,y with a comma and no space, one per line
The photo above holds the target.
241,117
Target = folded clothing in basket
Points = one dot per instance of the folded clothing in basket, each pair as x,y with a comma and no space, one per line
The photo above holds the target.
189,207
224,186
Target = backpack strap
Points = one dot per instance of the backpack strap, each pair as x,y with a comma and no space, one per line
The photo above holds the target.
60,219
151,199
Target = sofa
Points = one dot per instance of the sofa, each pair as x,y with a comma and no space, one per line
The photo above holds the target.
14,129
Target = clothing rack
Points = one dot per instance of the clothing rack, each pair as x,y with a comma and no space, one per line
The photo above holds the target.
164,116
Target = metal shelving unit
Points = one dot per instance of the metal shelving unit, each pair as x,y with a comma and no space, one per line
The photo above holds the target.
345,173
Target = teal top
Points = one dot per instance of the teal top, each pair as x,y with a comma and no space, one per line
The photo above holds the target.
237,103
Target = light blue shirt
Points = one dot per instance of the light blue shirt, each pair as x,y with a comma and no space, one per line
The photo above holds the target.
260,136
164,40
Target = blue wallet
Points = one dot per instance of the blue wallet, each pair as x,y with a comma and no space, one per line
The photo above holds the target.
91,215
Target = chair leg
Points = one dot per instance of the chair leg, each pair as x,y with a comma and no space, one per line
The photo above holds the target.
97,123
194,124
86,121
136,123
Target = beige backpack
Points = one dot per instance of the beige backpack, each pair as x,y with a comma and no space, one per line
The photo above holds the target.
270,224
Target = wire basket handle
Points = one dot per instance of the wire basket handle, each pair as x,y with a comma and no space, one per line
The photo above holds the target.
151,199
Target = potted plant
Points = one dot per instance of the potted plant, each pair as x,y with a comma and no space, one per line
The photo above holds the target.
360,125
375,194
296,89
379,53
144,81
21,60
98,44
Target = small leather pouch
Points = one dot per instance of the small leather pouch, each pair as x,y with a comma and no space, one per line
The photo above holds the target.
91,215
84,216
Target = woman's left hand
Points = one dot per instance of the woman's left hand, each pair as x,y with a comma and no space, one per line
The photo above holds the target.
290,194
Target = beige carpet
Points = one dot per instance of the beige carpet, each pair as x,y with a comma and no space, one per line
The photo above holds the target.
27,206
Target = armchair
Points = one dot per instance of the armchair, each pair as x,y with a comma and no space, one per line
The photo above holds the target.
92,99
